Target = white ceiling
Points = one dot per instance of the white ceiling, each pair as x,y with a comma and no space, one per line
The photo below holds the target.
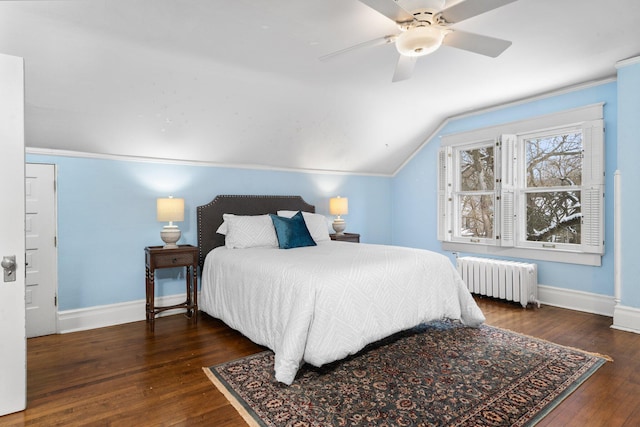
239,82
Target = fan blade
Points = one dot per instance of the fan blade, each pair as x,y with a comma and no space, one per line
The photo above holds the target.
483,45
404,68
375,42
390,9
470,8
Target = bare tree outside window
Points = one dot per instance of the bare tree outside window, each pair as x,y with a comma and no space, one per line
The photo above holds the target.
552,164
476,197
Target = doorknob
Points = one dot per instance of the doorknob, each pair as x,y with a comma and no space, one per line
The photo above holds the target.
9,266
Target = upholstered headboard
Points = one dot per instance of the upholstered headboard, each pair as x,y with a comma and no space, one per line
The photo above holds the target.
210,215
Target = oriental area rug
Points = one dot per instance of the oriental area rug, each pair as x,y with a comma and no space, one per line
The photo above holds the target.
438,374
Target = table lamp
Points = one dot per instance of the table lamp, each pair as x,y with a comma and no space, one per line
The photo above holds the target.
170,209
339,206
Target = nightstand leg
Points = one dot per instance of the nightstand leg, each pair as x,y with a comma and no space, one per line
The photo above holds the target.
150,291
189,291
194,282
146,293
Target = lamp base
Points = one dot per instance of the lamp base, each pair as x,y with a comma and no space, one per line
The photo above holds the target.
170,234
339,225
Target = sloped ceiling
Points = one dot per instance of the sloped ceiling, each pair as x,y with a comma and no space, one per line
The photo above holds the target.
240,83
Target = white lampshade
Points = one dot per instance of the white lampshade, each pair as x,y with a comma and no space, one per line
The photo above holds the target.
170,209
419,41
339,206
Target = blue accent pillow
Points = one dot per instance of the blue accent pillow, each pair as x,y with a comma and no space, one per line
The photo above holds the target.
292,232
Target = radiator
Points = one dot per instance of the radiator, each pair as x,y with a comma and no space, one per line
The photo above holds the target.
508,280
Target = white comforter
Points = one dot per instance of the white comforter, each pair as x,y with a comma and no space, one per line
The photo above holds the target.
320,304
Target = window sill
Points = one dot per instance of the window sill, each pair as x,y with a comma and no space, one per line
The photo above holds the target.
552,255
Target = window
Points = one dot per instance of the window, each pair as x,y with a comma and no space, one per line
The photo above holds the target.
535,192
475,195
553,180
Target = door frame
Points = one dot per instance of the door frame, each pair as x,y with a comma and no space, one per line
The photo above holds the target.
54,266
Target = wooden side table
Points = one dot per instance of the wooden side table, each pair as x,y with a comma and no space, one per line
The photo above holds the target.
346,237
182,256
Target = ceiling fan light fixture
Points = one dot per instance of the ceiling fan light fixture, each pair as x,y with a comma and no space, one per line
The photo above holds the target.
419,41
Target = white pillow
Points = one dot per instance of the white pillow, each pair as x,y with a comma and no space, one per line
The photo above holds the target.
248,231
316,223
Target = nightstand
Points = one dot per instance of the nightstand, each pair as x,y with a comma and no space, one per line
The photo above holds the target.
346,237
182,256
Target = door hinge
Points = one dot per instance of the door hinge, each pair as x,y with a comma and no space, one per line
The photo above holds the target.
55,300
55,241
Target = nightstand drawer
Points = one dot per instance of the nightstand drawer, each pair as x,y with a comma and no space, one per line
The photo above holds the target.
173,260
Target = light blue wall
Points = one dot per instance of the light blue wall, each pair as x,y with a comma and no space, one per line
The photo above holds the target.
628,165
106,208
106,216
414,188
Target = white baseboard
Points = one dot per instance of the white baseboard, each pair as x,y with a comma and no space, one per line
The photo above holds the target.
576,300
113,314
626,319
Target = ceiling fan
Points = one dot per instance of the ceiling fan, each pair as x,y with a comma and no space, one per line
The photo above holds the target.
424,30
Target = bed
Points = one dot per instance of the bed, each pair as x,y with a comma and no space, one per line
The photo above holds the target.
320,303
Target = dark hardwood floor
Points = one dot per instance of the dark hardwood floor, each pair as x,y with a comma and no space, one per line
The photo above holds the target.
127,376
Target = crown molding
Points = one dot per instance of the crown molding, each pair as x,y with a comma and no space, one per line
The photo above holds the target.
627,62
158,160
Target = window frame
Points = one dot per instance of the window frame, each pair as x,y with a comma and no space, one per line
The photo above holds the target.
457,191
510,189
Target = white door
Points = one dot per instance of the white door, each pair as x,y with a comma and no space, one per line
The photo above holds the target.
13,343
41,264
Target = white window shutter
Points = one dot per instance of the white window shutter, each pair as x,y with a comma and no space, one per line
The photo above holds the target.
592,220
507,189
593,187
593,162
444,196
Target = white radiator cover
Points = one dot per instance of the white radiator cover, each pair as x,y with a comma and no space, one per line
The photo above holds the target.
508,280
